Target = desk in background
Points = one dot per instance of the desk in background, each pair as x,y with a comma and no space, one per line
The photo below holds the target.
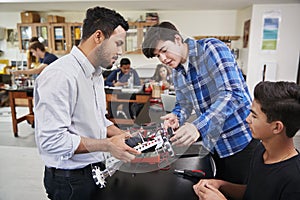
116,96
112,96
25,94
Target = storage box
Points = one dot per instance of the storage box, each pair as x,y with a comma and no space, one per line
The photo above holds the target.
30,17
55,19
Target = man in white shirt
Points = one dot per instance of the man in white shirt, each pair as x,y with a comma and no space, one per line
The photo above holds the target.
72,132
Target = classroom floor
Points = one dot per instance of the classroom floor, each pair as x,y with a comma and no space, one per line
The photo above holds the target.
21,174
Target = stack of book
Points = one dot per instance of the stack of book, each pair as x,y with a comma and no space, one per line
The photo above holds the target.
58,32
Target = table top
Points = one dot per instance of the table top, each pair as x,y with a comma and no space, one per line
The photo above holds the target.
107,91
118,90
161,184
28,90
19,89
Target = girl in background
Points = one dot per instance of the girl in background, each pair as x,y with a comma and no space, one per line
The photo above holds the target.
163,76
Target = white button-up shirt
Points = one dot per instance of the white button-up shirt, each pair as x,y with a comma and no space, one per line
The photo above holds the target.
69,101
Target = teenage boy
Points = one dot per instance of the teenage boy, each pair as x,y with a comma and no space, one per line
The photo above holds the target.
206,79
275,167
119,77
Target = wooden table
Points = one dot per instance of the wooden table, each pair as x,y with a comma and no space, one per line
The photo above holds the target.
113,96
27,95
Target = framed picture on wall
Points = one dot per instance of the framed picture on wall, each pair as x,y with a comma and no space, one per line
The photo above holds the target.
12,37
270,32
246,33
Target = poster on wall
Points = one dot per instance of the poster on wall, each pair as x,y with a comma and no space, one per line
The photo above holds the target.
270,36
12,38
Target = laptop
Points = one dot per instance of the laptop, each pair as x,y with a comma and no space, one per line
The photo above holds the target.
168,102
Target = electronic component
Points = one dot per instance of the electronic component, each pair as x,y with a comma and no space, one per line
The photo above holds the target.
156,142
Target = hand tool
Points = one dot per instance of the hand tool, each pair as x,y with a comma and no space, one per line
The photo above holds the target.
190,173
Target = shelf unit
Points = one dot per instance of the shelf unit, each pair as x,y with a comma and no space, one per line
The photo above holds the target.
65,36
135,36
74,35
28,30
222,38
226,39
59,38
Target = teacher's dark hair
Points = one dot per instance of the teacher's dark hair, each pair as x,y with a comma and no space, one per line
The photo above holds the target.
104,19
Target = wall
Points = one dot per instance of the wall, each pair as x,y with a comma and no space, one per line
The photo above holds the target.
285,60
210,23
205,23
9,21
242,17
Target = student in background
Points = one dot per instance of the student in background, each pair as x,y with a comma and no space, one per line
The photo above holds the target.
45,58
119,77
207,80
32,61
163,76
275,166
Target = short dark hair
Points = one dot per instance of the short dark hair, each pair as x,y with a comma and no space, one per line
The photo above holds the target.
124,61
163,31
280,101
37,45
104,19
34,39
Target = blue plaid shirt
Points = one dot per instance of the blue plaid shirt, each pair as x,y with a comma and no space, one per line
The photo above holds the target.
214,87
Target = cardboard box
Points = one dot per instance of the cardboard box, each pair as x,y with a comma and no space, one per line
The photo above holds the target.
30,17
55,19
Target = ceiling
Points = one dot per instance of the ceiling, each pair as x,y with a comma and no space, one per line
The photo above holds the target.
131,5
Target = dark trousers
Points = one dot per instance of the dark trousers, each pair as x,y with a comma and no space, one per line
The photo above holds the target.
235,168
70,184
